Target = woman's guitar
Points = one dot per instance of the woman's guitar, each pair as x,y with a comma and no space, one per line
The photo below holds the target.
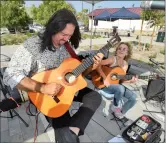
68,74
113,76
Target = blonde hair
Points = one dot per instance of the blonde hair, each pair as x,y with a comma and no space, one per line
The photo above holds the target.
129,52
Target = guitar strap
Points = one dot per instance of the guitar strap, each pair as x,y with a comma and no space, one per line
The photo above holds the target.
71,51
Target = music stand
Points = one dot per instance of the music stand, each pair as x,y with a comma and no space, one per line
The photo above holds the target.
159,96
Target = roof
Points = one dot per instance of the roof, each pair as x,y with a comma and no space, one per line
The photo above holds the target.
124,13
103,16
136,10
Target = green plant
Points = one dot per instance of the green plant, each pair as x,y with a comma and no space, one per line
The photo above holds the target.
85,36
137,37
150,64
95,47
153,55
162,52
147,46
10,39
140,60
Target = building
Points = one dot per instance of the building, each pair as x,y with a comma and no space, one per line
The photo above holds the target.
122,24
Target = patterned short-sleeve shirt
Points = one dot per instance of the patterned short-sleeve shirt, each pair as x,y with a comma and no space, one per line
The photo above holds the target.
28,59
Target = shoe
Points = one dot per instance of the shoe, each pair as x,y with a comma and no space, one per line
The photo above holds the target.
65,135
117,112
105,112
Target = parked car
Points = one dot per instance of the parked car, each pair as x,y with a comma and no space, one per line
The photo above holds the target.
82,27
4,30
86,29
35,27
12,30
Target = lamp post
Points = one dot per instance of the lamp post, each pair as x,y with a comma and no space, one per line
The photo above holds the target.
82,5
93,3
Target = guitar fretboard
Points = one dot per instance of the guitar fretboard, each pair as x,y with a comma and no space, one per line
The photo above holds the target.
128,77
89,61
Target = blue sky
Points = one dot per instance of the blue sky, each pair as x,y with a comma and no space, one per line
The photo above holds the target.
104,4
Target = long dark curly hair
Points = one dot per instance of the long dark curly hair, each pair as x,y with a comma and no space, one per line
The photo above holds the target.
57,23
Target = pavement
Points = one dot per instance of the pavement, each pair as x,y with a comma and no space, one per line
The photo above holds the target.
99,129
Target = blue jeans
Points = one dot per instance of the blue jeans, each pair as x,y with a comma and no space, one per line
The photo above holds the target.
120,91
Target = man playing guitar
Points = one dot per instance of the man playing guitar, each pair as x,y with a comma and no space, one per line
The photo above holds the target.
43,53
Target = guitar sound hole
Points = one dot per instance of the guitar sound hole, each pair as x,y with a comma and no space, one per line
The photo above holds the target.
113,77
70,77
101,79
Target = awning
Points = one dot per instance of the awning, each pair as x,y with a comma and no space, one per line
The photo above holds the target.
103,16
123,13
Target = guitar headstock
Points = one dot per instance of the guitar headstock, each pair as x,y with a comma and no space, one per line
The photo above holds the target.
114,40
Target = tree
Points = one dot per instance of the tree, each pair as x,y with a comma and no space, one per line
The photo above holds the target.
14,14
145,15
157,20
83,16
45,10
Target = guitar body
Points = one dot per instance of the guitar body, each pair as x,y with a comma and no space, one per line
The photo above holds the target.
45,103
110,73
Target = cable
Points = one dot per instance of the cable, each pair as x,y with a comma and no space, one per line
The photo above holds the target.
28,107
98,124
105,129
146,105
73,114
36,128
7,58
151,113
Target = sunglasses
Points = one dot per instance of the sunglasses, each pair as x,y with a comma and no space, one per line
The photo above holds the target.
123,49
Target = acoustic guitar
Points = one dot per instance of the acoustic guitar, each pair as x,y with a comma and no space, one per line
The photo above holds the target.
69,75
113,76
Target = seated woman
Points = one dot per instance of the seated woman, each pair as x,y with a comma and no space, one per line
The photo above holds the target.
122,54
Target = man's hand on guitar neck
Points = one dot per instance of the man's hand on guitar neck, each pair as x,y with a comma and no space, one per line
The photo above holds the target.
51,88
97,60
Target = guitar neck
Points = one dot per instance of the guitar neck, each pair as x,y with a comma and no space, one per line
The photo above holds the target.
89,61
128,77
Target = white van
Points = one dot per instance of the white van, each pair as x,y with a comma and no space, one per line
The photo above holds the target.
4,30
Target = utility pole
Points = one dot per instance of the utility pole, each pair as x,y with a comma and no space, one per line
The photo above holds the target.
82,5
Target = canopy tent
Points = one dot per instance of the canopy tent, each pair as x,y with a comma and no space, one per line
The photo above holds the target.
123,13
93,2
103,16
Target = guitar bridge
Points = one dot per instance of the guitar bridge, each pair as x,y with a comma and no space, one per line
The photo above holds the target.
56,99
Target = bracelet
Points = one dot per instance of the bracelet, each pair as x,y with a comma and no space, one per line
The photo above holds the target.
38,87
